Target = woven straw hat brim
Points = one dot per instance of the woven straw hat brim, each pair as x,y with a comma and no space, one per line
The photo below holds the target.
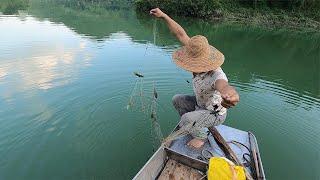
204,63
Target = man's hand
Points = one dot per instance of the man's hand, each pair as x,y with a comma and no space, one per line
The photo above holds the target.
230,96
157,13
174,27
228,93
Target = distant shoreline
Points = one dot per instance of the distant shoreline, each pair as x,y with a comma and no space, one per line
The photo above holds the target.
270,18
303,17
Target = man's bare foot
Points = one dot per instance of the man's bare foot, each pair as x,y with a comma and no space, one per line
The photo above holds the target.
196,143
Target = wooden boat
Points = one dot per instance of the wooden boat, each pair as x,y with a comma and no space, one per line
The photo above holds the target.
178,161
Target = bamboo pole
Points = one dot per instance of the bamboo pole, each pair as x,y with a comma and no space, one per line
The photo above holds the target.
227,150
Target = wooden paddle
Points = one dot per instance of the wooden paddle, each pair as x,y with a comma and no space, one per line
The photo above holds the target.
227,150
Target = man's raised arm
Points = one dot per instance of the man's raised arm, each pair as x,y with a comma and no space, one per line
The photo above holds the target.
174,27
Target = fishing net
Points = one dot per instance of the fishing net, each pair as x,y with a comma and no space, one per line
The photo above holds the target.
137,98
148,105
156,132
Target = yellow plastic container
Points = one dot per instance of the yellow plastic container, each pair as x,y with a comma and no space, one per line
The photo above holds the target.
221,168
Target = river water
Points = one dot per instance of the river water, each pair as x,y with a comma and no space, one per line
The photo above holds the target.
66,76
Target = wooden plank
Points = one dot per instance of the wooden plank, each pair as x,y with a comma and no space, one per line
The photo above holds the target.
186,160
227,150
168,171
177,171
182,171
196,175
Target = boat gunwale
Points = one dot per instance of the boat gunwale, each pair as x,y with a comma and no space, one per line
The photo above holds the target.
261,169
160,150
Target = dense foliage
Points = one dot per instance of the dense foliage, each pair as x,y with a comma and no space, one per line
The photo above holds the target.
88,4
108,4
12,6
209,8
199,8
309,8
292,14
284,4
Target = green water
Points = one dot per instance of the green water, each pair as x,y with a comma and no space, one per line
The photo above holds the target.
66,76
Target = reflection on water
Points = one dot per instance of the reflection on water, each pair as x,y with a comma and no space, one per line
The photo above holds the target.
66,75
40,60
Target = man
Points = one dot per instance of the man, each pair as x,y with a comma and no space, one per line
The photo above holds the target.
203,61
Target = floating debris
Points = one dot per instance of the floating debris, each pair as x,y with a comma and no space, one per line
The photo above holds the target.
152,115
138,74
155,94
187,81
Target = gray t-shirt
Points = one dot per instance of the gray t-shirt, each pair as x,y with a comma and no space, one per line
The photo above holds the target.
204,83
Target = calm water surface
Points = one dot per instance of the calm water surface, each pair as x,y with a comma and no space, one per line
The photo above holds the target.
66,76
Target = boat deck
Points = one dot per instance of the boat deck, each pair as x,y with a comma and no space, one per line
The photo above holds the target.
174,170
229,134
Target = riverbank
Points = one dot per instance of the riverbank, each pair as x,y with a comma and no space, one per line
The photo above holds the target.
303,17
298,15
272,19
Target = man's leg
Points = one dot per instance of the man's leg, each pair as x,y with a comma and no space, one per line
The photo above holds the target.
204,119
184,103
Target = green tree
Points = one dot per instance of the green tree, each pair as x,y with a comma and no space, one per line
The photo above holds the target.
12,6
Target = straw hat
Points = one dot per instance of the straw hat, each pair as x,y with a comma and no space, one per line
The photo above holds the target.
198,56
